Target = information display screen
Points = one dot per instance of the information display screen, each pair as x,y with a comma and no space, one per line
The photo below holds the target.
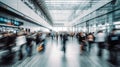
7,21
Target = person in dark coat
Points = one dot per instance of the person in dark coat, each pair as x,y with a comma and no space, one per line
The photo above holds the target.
81,40
113,46
29,40
38,40
64,40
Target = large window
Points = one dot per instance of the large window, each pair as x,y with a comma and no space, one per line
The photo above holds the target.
117,15
117,4
103,18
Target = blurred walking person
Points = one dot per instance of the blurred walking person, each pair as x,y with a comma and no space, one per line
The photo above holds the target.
43,40
90,39
64,40
29,44
38,38
20,41
82,39
114,46
57,36
61,35
52,35
100,39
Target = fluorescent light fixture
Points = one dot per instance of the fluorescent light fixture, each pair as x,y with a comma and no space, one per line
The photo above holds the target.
116,22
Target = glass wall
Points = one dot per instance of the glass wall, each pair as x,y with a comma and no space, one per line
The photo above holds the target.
105,18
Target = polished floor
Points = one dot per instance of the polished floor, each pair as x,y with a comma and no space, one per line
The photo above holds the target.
53,56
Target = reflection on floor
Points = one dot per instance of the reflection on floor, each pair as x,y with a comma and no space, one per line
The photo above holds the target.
53,56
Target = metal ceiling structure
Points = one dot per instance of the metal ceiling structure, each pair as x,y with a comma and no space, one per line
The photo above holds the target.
39,8
64,11
66,5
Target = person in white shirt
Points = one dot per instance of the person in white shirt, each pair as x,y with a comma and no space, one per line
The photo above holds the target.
100,39
20,41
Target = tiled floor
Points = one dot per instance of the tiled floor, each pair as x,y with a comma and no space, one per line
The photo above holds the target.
55,57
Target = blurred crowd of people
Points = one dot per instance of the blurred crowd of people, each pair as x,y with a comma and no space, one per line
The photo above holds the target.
23,38
17,41
102,40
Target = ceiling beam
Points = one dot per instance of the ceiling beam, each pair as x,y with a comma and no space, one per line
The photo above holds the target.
41,6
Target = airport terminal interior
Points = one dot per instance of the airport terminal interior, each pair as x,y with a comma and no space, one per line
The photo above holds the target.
59,33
